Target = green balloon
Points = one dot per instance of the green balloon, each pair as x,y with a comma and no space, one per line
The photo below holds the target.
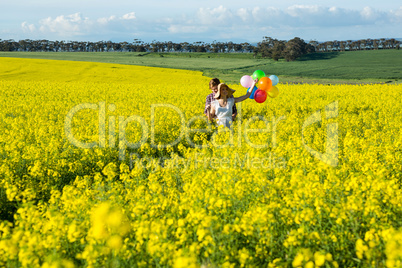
258,74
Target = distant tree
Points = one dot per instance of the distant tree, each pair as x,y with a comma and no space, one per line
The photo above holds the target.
247,47
358,44
238,48
324,47
199,46
348,44
207,47
392,43
364,44
255,52
169,46
369,44
336,45
266,46
313,43
309,48
277,50
354,45
178,47
330,46
294,48
375,44
342,46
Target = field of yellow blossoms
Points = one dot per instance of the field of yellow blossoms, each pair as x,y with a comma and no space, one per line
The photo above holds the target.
106,165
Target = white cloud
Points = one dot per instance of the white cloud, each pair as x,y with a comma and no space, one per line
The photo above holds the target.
398,12
369,14
219,15
69,25
396,15
27,27
186,29
244,22
314,15
243,13
333,9
247,23
106,20
302,10
293,16
78,25
129,16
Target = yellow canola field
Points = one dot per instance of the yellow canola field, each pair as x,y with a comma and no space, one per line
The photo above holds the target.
106,165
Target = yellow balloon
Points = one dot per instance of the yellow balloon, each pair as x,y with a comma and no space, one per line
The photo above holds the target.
273,92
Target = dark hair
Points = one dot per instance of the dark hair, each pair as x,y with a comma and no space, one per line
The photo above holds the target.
214,82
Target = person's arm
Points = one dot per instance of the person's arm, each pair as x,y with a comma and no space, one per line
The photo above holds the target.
234,114
207,103
242,98
210,112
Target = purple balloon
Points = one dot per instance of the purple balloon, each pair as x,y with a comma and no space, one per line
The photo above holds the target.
246,81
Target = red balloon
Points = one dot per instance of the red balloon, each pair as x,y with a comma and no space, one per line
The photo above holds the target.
264,83
260,95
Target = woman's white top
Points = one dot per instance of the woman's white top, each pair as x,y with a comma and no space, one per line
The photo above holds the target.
224,114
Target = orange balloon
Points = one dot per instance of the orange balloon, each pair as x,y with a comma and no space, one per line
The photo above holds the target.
273,92
264,83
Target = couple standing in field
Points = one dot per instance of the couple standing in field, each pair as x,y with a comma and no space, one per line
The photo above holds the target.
221,104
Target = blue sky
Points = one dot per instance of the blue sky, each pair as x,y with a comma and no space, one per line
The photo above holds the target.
179,21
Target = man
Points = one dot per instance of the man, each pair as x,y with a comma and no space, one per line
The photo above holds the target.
213,85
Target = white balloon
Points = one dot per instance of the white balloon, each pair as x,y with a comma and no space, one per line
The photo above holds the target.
246,81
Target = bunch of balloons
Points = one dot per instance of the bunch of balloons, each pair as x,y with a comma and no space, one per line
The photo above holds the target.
266,86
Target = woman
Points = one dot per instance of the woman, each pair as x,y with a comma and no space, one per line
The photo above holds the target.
213,86
223,104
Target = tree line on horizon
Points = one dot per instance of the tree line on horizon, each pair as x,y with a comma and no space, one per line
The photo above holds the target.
267,48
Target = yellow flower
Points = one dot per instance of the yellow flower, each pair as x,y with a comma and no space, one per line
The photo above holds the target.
184,262
360,248
310,264
298,260
137,196
243,256
319,259
115,242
